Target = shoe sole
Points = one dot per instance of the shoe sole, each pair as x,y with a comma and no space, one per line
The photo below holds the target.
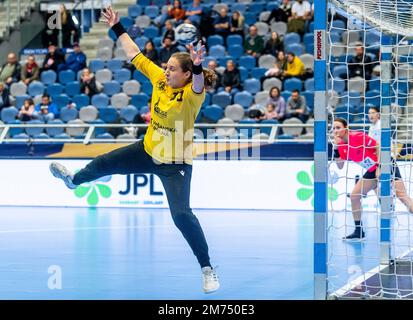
211,291
57,173
355,240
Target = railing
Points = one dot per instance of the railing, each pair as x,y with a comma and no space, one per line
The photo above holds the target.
89,137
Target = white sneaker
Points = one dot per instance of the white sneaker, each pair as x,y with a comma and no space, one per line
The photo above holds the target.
210,279
61,172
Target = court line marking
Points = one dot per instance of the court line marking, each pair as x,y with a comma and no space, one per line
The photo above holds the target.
362,278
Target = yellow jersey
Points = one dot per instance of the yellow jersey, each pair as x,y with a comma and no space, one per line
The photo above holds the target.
169,137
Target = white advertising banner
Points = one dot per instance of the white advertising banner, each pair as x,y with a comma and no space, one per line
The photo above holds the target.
275,185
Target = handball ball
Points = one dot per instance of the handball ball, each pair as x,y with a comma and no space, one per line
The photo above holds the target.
186,34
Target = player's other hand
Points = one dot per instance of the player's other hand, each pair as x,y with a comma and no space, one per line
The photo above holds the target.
197,53
109,16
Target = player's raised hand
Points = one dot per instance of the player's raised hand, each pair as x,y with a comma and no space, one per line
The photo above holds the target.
109,16
197,53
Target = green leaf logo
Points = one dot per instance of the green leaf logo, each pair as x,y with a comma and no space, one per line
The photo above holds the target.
306,192
93,190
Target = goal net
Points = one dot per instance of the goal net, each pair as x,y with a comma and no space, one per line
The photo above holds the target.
369,60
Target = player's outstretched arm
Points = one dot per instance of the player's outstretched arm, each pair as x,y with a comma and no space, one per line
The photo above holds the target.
111,17
197,73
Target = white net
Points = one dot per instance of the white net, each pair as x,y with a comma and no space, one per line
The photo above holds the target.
356,70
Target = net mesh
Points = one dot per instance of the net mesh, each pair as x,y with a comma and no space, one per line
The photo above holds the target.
356,269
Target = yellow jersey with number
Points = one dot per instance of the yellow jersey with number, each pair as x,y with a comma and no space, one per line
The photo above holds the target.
169,137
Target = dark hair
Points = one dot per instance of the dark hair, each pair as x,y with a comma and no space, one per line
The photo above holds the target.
375,108
46,96
30,101
296,90
342,121
291,53
185,63
278,89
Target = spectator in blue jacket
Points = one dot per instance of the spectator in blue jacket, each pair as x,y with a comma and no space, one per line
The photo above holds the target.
45,110
76,60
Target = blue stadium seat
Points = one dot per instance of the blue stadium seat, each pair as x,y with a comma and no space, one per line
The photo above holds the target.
339,24
126,22
99,130
248,62
151,32
151,11
223,60
244,73
55,131
96,64
234,39
111,87
139,76
217,51
100,100
213,113
295,48
139,100
20,100
206,61
66,76
340,71
337,86
128,113
67,114
291,38
272,5
72,88
244,99
215,39
146,87
353,98
144,3
256,7
293,83
309,48
374,84
252,85
286,95
35,88
247,131
157,41
207,100
267,130
62,136
236,50
308,38
258,72
250,18
114,64
134,11
81,100
241,7
48,77
309,84
311,26
309,97
342,111
105,135
141,41
33,131
221,99
9,114
122,75
22,136
15,131
109,114
61,100
54,89
373,97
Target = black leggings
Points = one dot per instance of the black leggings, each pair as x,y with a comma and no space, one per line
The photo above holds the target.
176,180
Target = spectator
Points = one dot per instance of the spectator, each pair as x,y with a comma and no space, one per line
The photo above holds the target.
254,44
45,110
26,111
237,24
76,60
300,13
295,67
140,118
231,79
221,23
273,45
30,70
150,52
360,65
375,127
194,12
4,96
10,72
166,52
54,58
88,83
134,31
257,112
277,101
279,67
69,30
282,13
212,65
169,31
297,107
176,12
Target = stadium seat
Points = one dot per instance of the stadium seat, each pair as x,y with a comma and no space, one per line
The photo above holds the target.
221,99
243,98
244,73
109,114
213,113
88,113
67,114
151,11
131,87
309,97
247,131
356,84
272,5
119,100
261,98
114,64
143,21
267,61
54,89
215,39
217,51
293,131
61,100
81,100
33,131
256,7
338,86
295,48
134,11
98,130
139,100
18,89
105,43
247,61
267,130
53,132
308,38
291,38
258,72
112,87
48,77
236,50
120,54
271,82
340,71
146,87
241,7
286,95
279,27
252,85
62,136
72,88
128,113
292,84
9,114
308,60
151,32
103,76
22,136
141,41
250,18
19,100
309,84
223,60
139,76
235,112
75,132
35,88
233,39
122,75
373,97
105,54
66,76
100,100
